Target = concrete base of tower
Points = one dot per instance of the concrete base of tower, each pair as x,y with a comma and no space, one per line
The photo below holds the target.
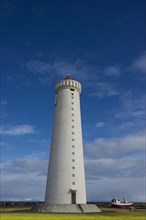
66,208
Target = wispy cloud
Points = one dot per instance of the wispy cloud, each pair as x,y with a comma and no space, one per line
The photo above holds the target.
3,109
115,147
105,189
114,168
112,71
78,69
139,65
104,89
100,124
112,162
18,130
19,176
132,105
48,70
129,117
107,162
3,102
131,114
44,71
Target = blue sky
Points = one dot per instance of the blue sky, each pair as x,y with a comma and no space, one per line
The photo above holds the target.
102,45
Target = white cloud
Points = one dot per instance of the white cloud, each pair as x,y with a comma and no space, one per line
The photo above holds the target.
126,167
125,114
117,147
100,124
132,100
18,130
24,178
116,166
111,167
139,65
133,189
126,125
48,70
132,107
104,89
112,71
37,66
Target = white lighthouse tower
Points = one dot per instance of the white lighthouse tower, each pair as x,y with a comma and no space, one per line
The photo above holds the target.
65,188
66,178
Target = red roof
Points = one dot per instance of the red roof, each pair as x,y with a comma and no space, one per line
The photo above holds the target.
68,77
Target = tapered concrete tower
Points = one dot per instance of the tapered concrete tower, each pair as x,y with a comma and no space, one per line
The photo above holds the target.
66,178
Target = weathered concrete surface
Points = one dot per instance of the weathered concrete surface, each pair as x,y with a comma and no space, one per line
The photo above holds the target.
89,208
67,208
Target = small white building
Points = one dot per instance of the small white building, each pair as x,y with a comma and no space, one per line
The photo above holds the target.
66,178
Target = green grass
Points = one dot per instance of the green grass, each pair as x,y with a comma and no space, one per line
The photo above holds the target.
105,215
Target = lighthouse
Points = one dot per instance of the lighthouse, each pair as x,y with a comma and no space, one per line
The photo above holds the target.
66,177
65,187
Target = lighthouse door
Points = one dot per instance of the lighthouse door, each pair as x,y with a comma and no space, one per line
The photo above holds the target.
73,197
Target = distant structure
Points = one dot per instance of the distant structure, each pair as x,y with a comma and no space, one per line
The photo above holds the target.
66,179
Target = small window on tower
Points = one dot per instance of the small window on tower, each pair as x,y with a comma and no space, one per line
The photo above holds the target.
73,175
73,168
73,146
72,103
72,93
72,90
73,153
73,183
73,160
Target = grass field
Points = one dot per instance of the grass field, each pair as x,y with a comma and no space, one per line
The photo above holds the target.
106,214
